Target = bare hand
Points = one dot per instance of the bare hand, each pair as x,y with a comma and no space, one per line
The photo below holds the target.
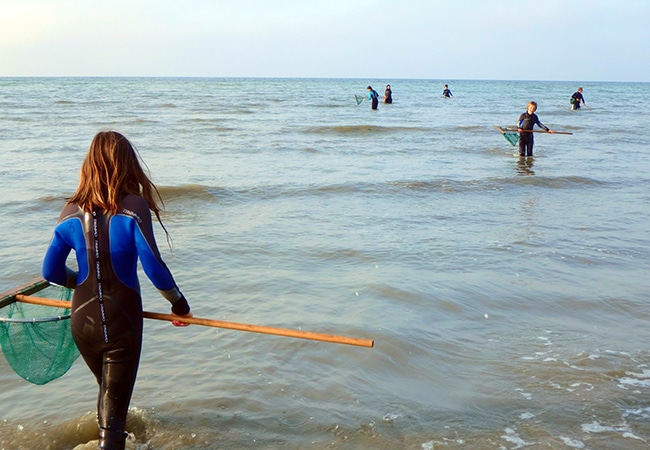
178,323
551,131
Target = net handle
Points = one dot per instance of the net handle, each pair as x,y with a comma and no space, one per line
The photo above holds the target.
221,324
9,297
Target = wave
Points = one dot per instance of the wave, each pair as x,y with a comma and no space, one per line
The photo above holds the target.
554,182
381,188
391,188
192,192
79,433
140,120
361,129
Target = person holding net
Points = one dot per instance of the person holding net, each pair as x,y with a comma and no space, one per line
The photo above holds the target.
108,224
525,125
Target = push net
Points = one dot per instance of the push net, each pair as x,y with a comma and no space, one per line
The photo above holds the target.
36,340
511,136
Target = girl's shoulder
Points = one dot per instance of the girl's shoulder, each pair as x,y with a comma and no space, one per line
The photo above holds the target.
70,210
135,207
134,202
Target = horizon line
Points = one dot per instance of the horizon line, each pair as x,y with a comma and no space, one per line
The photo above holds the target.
303,78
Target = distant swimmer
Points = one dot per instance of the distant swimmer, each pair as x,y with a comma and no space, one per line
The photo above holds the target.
388,94
577,98
447,93
525,126
373,96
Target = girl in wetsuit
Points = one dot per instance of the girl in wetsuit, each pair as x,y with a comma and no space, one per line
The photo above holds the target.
388,94
373,97
525,126
108,224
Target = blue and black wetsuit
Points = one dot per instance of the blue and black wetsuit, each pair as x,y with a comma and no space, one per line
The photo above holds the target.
373,96
106,306
527,122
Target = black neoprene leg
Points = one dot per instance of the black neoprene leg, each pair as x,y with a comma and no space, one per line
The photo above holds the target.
120,368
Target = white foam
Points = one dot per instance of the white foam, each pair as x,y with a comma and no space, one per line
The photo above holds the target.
641,412
390,417
633,382
635,379
572,442
595,427
512,437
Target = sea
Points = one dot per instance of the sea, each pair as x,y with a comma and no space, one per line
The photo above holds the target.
507,297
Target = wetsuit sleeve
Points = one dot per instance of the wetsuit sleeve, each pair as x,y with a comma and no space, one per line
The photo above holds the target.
520,122
136,208
54,267
68,235
542,126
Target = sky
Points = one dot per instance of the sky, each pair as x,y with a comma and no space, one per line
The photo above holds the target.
569,40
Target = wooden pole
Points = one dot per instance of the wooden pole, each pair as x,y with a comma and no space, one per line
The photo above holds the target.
541,131
219,324
515,130
9,297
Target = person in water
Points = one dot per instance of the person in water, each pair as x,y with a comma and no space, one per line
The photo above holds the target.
108,224
525,126
373,97
577,98
446,92
388,94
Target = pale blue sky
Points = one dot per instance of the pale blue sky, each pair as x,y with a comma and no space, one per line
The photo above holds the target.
576,40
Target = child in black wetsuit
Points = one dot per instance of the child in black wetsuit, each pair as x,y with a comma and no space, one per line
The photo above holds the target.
525,126
577,98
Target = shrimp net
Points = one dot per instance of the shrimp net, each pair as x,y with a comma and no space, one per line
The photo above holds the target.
36,340
511,136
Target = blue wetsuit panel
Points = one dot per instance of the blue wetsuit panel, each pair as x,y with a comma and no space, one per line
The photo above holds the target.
68,235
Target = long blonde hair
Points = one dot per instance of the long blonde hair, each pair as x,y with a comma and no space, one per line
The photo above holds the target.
111,171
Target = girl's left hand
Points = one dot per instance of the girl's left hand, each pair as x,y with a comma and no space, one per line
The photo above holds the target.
178,323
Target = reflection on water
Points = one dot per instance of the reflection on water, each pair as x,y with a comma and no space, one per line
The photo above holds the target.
525,165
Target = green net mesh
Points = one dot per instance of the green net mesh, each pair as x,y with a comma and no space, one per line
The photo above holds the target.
36,340
511,136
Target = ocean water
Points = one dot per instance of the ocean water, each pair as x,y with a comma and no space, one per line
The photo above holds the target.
507,298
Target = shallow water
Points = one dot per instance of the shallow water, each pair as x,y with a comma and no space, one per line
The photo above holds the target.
506,298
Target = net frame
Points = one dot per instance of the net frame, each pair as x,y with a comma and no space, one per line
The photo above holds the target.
35,319
38,349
